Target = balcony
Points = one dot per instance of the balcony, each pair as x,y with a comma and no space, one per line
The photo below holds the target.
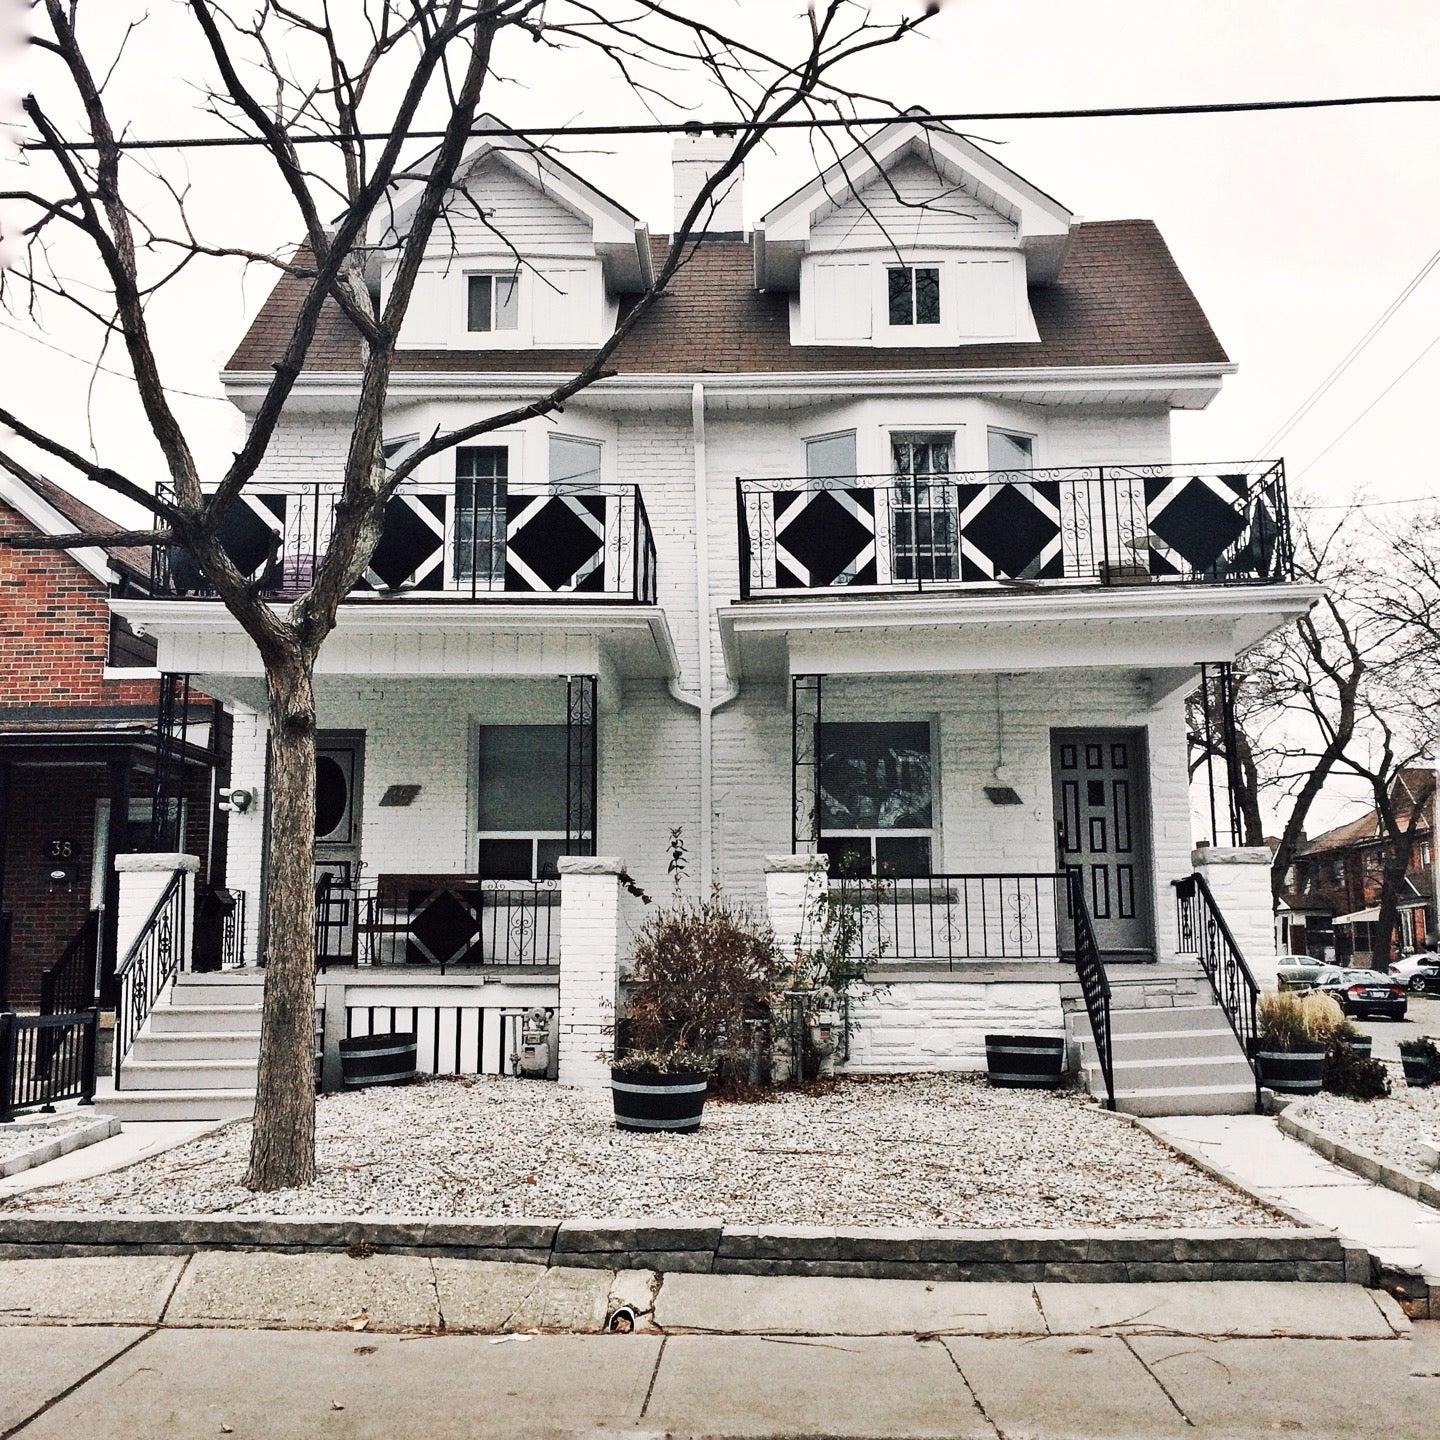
1022,530
468,540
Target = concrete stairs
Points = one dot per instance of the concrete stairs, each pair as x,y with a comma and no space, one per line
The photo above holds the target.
1173,1050
197,1054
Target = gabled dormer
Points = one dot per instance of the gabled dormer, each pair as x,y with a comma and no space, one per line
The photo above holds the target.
528,255
917,238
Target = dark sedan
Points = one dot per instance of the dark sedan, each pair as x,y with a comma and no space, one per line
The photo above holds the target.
1365,992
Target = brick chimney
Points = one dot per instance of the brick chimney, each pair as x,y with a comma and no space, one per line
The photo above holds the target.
693,160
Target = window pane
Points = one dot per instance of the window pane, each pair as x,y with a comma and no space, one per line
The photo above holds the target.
507,297
875,776
830,458
522,777
1011,452
849,857
902,283
927,296
479,315
574,462
480,491
922,519
902,855
504,859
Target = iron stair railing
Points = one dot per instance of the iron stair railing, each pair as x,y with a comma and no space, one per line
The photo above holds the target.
1094,982
69,984
1204,934
153,960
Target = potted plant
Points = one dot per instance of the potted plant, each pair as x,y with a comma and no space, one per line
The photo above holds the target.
1420,1060
702,970
1293,1041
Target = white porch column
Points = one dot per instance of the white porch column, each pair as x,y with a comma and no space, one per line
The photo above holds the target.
794,886
143,879
244,867
1239,879
590,939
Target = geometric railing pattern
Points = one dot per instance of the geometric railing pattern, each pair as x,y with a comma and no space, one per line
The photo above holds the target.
1081,525
442,542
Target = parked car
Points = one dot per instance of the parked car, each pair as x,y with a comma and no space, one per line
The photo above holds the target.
1365,992
1418,973
1299,972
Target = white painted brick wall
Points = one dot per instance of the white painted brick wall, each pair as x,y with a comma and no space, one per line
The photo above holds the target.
1239,879
143,880
590,942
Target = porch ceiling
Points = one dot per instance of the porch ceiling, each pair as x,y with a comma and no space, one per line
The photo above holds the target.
417,639
1163,631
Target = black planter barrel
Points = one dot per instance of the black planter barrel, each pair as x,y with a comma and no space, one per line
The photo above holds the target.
1292,1072
658,1099
1025,1062
1417,1070
1362,1045
377,1059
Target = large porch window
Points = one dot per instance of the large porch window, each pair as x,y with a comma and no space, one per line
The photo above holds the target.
520,829
876,802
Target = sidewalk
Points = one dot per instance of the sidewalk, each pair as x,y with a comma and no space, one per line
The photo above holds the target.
268,1345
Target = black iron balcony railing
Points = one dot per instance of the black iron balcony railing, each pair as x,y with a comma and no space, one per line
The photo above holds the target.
1107,525
468,540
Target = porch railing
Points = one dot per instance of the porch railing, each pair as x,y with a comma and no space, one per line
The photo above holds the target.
1106,525
465,540
439,922
449,1039
1202,932
950,919
7,924
1094,982
69,984
45,1058
152,961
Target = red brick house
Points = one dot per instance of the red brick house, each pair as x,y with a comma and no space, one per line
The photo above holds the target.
83,754
1332,901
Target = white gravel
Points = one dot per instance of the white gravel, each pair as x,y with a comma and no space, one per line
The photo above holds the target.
929,1150
1390,1129
25,1134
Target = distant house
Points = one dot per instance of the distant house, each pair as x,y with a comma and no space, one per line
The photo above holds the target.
83,752
1332,896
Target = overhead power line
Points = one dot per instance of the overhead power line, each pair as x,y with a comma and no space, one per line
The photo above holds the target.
731,126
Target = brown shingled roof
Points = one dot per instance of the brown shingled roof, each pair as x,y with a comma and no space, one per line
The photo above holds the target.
1120,300
134,558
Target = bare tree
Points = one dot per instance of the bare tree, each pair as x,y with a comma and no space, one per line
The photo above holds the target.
287,74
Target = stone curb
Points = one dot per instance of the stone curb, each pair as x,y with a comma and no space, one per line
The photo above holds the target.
102,1128
1293,1122
1262,1253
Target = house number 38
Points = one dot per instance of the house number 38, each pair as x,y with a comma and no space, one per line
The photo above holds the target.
60,849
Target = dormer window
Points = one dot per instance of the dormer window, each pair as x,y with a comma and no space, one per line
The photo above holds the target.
493,301
914,294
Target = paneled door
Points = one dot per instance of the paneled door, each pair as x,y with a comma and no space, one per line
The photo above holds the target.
1103,831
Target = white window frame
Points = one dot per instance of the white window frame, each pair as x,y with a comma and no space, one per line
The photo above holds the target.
492,273
928,327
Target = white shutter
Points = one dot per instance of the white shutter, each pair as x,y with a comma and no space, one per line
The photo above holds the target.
840,301
436,311
561,301
985,299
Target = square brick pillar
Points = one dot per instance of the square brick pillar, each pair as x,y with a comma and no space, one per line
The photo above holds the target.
1239,879
591,906
143,879
795,888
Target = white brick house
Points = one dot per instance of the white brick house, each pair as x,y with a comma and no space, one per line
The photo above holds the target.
871,547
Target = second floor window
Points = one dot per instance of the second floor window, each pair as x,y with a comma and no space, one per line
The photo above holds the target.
923,510
914,292
493,302
481,472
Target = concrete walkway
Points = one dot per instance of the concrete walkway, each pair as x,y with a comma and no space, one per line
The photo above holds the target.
1401,1233
270,1345
137,1141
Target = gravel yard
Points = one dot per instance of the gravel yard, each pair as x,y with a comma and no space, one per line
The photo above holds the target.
23,1135
928,1150
1390,1129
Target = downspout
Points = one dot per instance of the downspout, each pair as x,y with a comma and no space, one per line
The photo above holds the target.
707,702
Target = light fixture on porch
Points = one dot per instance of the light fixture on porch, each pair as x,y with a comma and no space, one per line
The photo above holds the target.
1003,791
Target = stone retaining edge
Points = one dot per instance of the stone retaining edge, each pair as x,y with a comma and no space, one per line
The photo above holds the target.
1292,1122
1261,1253
102,1128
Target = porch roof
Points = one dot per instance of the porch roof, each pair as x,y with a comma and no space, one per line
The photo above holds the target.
1165,632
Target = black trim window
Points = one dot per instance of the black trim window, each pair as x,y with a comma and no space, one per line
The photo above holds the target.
876,810
492,302
520,819
914,294
481,472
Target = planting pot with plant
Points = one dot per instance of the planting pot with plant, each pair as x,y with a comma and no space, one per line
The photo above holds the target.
703,970
1293,1041
1420,1060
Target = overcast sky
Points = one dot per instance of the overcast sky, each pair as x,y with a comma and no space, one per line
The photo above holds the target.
1294,229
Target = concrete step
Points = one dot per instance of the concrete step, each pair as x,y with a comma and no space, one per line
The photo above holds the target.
188,1074
204,1019
1187,1100
1168,1017
1184,1070
1165,1044
219,989
240,1046
138,1104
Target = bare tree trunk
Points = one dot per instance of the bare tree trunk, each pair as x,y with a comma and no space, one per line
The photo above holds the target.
282,1147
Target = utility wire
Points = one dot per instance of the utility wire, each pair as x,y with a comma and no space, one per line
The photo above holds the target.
731,126
1372,504
1353,354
